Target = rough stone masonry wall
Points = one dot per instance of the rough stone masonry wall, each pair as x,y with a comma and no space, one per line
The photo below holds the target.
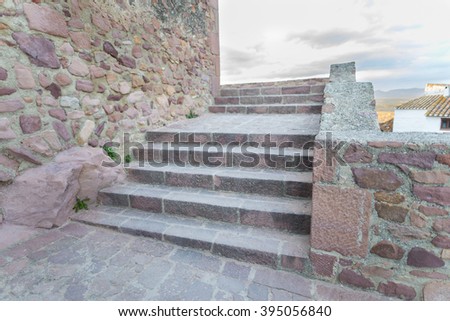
381,206
83,72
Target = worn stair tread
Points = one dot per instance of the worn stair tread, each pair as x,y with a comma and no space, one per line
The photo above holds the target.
275,151
277,249
234,179
258,173
275,105
280,109
293,124
215,198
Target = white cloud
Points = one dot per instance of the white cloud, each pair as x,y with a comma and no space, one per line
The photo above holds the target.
276,39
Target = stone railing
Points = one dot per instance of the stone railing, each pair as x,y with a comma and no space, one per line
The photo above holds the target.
381,201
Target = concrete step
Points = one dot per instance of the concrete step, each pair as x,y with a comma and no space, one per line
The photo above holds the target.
215,156
296,131
279,213
276,249
267,109
302,139
313,86
262,182
270,100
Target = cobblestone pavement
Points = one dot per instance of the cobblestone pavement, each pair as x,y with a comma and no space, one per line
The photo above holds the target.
79,262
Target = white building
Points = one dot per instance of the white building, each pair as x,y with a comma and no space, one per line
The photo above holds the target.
429,113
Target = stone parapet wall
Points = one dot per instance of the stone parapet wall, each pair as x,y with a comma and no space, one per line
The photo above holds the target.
381,210
381,215
83,72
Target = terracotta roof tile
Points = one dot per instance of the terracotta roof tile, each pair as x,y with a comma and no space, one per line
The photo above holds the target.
442,109
435,105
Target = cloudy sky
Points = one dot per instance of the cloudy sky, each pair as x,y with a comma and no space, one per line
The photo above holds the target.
395,43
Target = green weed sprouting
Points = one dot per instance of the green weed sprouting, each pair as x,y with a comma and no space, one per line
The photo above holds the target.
191,114
81,205
110,152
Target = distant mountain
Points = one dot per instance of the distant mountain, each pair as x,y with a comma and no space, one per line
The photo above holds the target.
409,93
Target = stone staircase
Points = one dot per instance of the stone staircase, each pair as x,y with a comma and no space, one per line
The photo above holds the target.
220,183
305,97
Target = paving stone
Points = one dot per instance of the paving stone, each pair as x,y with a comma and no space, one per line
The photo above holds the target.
154,274
224,296
281,295
196,259
186,283
130,293
65,257
150,266
231,285
75,230
258,292
236,271
285,281
75,292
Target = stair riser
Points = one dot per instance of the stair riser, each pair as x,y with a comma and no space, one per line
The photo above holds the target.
295,223
208,243
295,141
277,188
213,159
305,109
270,100
273,91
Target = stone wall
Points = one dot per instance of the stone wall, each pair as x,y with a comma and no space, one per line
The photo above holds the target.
381,206
82,72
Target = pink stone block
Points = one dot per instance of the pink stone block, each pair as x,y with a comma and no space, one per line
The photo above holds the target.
323,264
340,220
437,291
47,20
